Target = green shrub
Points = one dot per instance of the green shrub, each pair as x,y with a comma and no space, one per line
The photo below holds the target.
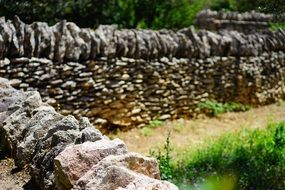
255,159
214,108
276,7
277,26
165,160
91,13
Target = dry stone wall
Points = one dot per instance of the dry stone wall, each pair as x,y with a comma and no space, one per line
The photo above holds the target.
127,92
124,78
67,42
65,153
247,22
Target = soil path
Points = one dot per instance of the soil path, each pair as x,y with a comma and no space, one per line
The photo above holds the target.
11,178
187,133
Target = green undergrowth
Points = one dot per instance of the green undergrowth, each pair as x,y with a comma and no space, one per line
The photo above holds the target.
214,108
148,129
277,26
249,159
165,160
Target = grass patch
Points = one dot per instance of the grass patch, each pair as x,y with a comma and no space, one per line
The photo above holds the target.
277,25
250,159
178,127
148,129
155,123
214,108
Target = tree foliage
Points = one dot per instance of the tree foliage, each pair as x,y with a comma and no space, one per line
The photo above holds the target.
128,13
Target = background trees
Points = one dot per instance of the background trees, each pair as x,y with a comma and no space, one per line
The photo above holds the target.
128,13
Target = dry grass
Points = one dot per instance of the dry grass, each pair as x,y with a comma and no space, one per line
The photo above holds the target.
187,133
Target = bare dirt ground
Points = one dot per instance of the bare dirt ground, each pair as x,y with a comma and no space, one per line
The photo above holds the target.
190,133
11,178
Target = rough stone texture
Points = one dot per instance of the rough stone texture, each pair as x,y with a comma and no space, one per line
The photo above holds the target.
121,78
36,134
67,167
131,161
247,22
122,93
121,178
131,170
67,42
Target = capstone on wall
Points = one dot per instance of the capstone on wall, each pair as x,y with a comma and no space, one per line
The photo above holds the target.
125,78
247,22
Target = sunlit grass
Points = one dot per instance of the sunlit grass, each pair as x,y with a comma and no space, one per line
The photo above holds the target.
249,159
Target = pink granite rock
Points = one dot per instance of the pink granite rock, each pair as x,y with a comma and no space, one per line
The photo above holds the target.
128,171
122,178
77,159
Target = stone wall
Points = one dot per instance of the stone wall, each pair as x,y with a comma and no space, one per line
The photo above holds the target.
247,22
67,42
125,78
64,153
125,93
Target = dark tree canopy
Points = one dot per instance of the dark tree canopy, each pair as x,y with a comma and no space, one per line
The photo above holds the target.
128,13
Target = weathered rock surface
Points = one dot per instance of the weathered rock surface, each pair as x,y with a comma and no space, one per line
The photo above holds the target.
121,178
67,42
247,22
67,167
123,93
61,149
132,170
121,78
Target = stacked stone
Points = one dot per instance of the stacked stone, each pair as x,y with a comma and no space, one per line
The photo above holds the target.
66,153
125,78
123,93
247,22
67,42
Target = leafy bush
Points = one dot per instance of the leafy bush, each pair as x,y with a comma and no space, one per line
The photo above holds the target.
277,7
214,108
90,13
253,159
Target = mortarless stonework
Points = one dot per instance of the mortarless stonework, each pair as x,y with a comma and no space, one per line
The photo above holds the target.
67,42
247,22
125,78
61,150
